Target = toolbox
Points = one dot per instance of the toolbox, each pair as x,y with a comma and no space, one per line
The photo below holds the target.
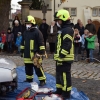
26,94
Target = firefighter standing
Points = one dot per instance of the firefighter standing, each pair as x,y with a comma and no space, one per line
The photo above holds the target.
32,43
64,55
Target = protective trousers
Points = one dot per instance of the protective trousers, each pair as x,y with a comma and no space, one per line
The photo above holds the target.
29,73
63,78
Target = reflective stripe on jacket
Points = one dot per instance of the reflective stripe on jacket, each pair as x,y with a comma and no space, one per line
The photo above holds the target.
64,47
32,42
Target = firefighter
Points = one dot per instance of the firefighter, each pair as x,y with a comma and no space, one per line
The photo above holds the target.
32,44
64,54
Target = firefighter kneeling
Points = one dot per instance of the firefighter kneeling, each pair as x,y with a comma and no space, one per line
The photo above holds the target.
64,54
32,44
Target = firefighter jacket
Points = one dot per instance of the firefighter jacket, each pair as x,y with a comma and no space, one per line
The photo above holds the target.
32,42
64,46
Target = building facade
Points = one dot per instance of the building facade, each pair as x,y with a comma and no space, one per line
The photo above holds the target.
79,9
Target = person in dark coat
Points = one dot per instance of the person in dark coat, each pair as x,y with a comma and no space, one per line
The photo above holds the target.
81,29
16,18
52,35
9,40
17,28
90,27
23,26
98,36
77,25
43,28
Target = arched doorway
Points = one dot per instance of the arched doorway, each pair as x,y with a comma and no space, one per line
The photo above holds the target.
97,24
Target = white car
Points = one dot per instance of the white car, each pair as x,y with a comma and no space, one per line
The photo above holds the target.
8,76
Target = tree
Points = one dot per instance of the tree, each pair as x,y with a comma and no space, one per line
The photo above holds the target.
37,4
4,14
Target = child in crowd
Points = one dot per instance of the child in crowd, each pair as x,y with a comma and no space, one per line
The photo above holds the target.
91,45
76,43
3,40
18,41
9,40
84,44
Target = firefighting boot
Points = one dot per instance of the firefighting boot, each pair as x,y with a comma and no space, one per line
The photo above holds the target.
66,95
29,80
58,91
42,82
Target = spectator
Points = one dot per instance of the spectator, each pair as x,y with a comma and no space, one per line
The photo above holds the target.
77,25
23,26
52,34
76,43
17,28
16,18
90,27
91,45
3,40
84,45
18,41
98,36
9,40
43,28
81,29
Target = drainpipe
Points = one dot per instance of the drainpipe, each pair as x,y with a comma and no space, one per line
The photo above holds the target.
54,6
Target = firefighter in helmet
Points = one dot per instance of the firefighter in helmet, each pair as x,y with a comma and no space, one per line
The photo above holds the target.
64,54
32,44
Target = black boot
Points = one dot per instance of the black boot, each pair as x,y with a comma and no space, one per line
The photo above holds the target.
42,82
29,80
58,91
66,95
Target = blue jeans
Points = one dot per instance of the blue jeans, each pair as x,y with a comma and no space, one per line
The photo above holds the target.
91,55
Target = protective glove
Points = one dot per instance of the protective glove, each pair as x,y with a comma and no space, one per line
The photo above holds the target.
37,60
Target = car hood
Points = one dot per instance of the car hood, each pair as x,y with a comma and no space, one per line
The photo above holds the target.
7,64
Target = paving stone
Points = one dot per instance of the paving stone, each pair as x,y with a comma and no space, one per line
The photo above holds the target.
97,77
92,76
76,75
83,75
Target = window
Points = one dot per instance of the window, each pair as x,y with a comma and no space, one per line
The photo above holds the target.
95,12
73,11
99,12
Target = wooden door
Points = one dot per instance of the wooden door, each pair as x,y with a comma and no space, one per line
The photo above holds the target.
97,24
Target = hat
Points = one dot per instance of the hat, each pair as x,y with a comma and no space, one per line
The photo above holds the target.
16,21
19,33
9,29
30,19
62,15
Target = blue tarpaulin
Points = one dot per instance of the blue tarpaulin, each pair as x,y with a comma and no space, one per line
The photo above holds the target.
50,83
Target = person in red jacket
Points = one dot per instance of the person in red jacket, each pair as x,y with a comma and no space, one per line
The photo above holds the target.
3,40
